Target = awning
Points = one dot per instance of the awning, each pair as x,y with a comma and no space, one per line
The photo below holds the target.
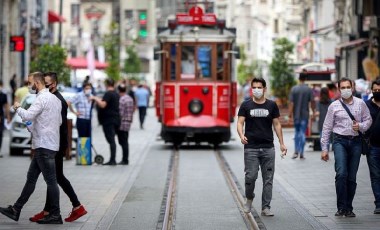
325,29
353,44
81,63
54,17
361,42
304,41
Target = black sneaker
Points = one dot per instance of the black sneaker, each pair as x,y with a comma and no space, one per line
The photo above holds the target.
295,155
123,163
112,163
10,212
51,219
377,211
350,214
340,213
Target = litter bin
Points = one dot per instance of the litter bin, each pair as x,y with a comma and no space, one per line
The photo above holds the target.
84,156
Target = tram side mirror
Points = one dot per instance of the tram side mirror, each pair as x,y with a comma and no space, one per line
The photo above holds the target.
237,52
157,52
156,55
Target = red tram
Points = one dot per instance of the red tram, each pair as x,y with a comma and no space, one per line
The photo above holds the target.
196,86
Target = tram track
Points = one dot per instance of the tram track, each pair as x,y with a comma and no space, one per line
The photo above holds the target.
251,220
167,218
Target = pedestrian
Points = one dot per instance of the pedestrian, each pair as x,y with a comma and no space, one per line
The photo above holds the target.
83,110
247,90
110,117
301,99
142,100
51,82
45,115
373,158
346,143
323,105
259,115
13,85
4,112
22,92
333,91
126,107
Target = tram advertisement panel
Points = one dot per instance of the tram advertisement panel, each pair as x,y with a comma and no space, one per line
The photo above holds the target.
168,103
223,102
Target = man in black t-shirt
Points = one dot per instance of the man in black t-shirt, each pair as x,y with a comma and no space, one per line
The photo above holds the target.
4,110
109,107
373,158
259,115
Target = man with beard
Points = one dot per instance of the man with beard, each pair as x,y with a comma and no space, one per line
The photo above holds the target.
45,115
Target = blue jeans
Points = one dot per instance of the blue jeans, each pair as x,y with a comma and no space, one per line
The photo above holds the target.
347,154
265,159
300,126
43,161
373,160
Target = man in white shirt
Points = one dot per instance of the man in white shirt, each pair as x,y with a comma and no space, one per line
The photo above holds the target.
45,115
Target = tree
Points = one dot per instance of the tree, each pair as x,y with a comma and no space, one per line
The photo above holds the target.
52,58
112,47
282,79
242,70
132,64
245,71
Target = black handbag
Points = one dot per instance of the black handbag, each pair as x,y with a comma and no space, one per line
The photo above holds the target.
364,139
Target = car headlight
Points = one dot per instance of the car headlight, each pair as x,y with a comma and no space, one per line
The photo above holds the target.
195,106
18,125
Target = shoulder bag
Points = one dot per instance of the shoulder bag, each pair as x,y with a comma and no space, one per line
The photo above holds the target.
364,139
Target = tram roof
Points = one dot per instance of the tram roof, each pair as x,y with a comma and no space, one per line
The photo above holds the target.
196,33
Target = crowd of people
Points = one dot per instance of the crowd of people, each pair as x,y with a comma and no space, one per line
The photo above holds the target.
46,120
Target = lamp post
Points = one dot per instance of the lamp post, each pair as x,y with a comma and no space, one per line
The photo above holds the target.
60,23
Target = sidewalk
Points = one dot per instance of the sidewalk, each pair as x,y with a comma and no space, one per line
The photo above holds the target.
312,183
99,188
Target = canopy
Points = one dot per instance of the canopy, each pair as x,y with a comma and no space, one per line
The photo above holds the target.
81,63
54,17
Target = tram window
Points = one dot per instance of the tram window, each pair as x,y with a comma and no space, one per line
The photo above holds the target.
204,59
173,58
188,70
219,65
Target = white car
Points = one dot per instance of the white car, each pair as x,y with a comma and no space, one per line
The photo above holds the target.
20,138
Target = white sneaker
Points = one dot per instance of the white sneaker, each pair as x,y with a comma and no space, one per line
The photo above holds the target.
266,212
247,206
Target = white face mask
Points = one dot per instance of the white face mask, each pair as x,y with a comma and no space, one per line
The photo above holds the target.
257,93
31,90
346,93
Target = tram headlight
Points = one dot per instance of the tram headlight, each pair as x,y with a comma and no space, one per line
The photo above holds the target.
195,106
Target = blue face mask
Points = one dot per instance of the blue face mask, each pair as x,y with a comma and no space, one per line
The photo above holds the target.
87,92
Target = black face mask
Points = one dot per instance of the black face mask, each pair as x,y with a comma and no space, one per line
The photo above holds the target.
376,96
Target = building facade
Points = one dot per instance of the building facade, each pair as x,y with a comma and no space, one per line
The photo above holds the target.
138,22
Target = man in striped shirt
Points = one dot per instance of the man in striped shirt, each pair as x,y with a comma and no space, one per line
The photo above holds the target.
83,106
126,107
347,143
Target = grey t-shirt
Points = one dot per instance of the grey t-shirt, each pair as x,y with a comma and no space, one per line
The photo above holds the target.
301,96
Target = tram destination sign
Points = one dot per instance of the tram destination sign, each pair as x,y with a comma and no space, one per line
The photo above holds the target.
196,17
